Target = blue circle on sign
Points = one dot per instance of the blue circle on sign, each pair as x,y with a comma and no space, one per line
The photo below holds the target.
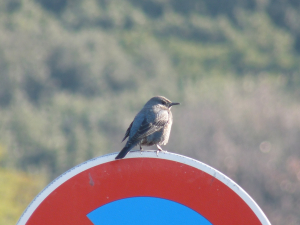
146,211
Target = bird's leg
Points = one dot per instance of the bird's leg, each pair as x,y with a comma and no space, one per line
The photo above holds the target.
141,149
159,149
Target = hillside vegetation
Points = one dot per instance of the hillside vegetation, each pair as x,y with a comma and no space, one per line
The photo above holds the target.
73,74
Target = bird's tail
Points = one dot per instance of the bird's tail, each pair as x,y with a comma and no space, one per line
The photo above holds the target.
124,151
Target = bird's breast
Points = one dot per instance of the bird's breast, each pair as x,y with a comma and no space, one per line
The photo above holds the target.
160,137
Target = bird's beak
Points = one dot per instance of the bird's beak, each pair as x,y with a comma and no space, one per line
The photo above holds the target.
173,103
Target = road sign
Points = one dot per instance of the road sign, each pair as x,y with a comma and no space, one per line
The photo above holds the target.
143,189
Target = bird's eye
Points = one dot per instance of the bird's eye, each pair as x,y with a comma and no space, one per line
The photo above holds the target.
163,102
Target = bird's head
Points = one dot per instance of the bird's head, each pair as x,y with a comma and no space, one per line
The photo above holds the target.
162,101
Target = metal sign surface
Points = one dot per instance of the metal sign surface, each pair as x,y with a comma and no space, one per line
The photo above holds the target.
143,189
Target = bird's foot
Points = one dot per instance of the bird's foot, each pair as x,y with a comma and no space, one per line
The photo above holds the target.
159,149
141,150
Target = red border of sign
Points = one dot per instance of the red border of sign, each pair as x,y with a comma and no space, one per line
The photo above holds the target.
99,184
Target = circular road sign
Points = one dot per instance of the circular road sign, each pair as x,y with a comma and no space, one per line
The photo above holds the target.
143,189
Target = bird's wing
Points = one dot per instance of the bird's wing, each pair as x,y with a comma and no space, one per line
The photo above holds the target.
147,128
127,132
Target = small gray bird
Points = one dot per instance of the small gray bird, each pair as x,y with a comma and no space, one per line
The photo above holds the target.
151,126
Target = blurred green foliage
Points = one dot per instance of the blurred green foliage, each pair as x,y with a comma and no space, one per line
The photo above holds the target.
74,73
17,189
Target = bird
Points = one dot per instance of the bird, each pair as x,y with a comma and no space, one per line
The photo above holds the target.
151,126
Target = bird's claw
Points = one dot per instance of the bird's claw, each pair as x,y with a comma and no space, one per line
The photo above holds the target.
141,150
160,150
